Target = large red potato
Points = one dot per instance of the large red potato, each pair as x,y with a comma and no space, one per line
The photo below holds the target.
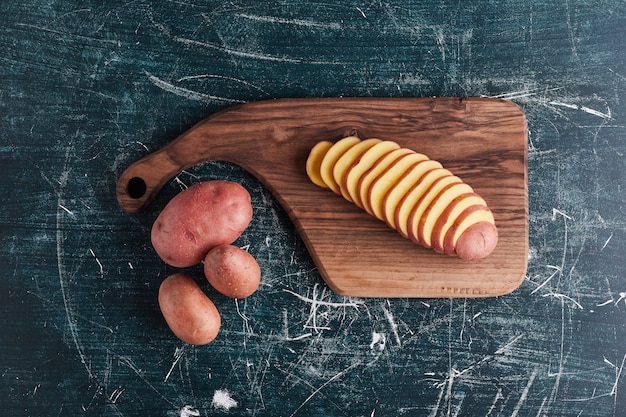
232,271
189,313
203,216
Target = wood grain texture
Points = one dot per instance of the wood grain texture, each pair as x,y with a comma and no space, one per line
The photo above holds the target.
484,141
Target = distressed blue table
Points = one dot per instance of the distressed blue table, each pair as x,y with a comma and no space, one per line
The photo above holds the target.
88,88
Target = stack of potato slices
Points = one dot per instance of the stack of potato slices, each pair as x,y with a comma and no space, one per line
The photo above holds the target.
413,194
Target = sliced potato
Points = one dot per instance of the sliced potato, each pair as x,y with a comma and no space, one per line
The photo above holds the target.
470,216
330,159
410,200
314,162
388,178
396,194
347,160
416,218
449,216
436,208
358,169
416,196
371,174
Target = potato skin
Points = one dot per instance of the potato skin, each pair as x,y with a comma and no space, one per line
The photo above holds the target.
232,271
189,313
203,216
478,241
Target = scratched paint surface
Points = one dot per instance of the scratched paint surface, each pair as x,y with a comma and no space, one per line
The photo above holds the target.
88,88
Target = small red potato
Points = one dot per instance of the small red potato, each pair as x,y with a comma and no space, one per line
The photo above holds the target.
189,313
203,216
232,271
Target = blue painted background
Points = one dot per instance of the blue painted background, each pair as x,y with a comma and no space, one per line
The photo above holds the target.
87,88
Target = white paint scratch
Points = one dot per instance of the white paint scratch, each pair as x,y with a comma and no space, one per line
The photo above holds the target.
392,324
561,366
509,344
247,329
222,77
350,303
585,109
524,395
253,55
115,395
455,373
618,375
497,398
302,336
524,93
141,374
606,242
63,279
68,34
564,297
316,301
178,353
296,22
143,145
557,270
97,261
607,302
222,400
68,211
556,212
190,94
180,183
321,387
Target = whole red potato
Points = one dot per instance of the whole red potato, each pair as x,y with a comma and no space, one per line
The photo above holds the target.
203,216
232,271
189,313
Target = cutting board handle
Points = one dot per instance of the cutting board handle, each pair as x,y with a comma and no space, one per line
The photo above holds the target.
260,137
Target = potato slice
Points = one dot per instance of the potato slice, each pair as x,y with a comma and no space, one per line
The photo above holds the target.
371,174
410,199
469,217
362,165
346,161
450,215
330,159
415,217
396,194
389,178
314,162
439,204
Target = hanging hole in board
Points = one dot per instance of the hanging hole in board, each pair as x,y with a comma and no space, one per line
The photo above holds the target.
136,187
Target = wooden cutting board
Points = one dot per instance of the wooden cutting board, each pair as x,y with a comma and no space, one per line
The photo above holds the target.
481,140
